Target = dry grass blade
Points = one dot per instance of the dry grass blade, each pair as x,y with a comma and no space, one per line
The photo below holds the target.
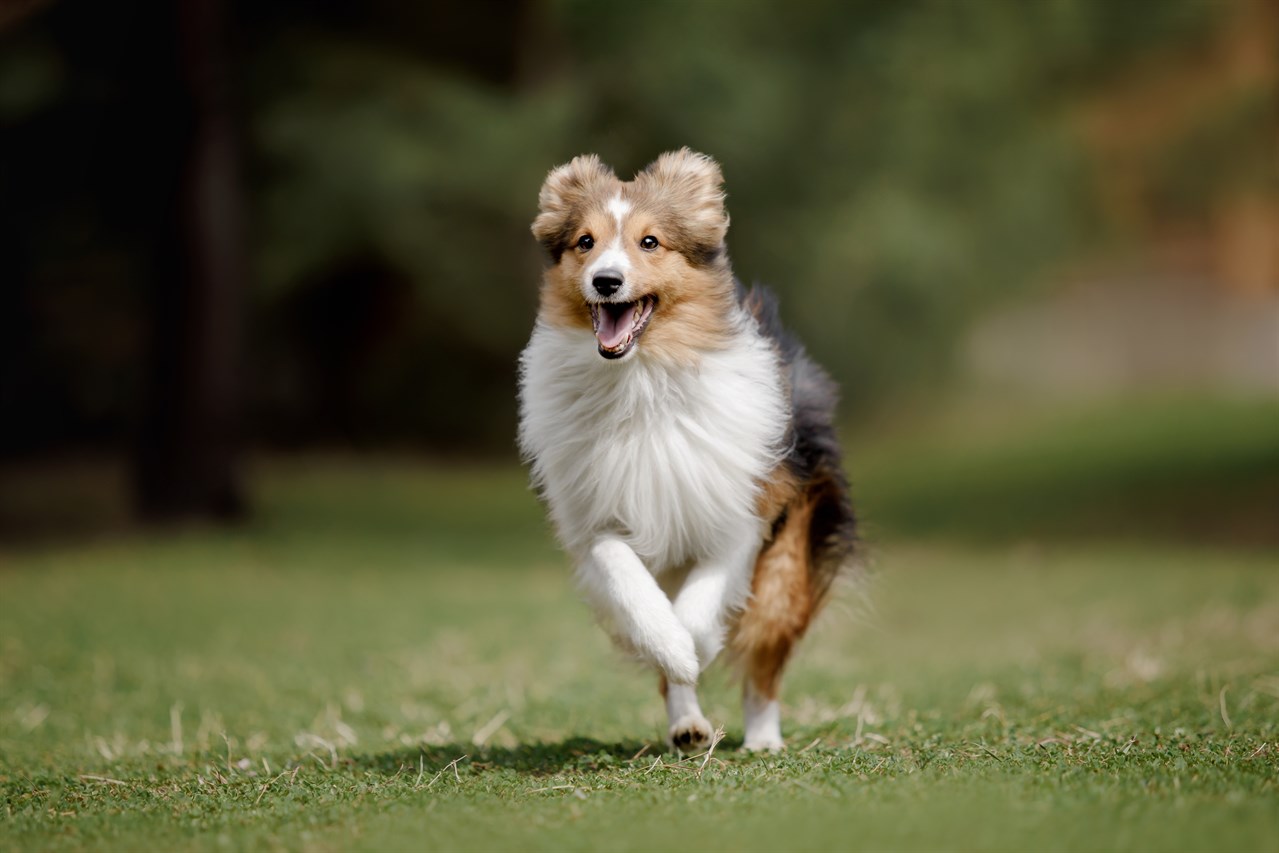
486,731
706,756
175,728
573,788
103,779
452,765
269,783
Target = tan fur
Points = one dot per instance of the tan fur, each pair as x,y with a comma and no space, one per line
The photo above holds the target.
692,308
678,199
778,491
570,188
682,186
782,604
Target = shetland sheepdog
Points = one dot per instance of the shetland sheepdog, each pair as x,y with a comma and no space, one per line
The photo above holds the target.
681,440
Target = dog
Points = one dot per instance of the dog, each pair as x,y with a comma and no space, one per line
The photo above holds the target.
681,440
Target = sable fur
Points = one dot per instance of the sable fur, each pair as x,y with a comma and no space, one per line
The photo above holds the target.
693,472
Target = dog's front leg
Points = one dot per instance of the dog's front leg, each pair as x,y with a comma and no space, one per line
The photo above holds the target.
622,590
712,590
689,730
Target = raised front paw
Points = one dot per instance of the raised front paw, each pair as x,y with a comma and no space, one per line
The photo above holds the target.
672,649
690,734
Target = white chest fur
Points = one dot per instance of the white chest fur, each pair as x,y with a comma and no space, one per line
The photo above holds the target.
667,457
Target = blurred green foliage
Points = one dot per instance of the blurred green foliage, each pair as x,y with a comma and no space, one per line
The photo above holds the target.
893,169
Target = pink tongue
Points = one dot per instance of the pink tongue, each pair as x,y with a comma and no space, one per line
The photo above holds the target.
612,330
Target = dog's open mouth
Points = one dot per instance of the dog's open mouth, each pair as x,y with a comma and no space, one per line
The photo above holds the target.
618,325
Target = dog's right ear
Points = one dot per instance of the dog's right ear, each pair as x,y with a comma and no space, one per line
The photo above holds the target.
560,201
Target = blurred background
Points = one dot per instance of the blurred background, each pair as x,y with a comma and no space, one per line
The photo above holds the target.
1037,243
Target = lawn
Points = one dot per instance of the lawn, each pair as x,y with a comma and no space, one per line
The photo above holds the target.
391,656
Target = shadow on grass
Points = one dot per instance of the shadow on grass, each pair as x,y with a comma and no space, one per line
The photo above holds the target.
534,759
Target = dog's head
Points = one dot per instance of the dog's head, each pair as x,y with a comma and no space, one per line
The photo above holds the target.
644,258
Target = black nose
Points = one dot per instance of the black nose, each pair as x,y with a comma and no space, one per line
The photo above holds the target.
606,285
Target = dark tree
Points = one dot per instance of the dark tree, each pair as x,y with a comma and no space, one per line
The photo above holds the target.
187,456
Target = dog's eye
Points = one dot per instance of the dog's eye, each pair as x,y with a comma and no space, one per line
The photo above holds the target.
585,242
649,243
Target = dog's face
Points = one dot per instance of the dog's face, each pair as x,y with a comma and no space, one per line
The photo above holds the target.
641,264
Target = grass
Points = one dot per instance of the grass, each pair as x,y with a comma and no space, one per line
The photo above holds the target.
1185,469
391,657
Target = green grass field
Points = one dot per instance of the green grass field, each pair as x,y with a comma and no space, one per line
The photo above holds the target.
391,656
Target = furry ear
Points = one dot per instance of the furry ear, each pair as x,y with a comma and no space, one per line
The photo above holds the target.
694,185
561,197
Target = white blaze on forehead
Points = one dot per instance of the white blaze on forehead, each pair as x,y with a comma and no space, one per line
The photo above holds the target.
614,257
619,207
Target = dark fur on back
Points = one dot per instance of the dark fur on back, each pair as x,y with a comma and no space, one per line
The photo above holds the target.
815,454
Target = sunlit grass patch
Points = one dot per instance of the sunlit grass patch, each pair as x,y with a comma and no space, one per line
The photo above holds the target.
215,690
391,655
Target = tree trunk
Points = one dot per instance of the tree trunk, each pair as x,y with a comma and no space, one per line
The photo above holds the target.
187,456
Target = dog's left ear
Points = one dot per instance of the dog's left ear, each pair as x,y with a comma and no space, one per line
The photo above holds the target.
695,185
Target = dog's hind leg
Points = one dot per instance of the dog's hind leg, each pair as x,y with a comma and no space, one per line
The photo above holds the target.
781,606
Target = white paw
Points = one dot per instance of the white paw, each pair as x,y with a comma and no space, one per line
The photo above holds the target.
674,653
764,744
690,734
